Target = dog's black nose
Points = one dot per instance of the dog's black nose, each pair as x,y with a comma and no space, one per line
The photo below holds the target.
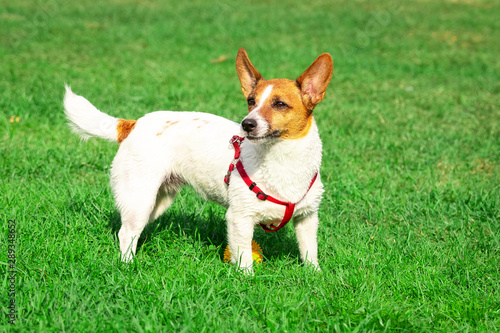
248,125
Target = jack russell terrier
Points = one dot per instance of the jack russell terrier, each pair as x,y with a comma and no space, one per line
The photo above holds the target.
268,173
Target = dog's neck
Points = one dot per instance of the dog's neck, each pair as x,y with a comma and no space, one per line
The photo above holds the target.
284,168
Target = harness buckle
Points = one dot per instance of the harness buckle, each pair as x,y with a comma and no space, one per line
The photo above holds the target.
262,196
236,142
227,177
236,138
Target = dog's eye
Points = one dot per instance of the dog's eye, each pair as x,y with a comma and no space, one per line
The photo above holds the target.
280,105
251,101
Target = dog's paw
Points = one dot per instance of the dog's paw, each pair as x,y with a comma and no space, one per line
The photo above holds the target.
312,265
127,257
247,271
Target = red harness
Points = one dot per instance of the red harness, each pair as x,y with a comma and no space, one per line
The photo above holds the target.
289,207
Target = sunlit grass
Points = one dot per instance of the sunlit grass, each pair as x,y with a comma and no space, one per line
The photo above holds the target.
409,235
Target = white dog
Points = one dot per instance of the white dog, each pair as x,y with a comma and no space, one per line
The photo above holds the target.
276,159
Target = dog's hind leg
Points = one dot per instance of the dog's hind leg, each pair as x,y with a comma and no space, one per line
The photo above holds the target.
163,201
136,199
129,235
134,219
140,202
165,197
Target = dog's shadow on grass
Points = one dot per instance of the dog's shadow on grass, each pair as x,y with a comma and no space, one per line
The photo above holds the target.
209,227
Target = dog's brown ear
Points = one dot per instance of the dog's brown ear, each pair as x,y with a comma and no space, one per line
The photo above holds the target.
315,79
247,73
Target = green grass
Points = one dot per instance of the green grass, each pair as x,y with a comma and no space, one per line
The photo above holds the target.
409,235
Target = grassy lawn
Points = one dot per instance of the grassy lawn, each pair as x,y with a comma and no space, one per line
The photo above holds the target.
409,237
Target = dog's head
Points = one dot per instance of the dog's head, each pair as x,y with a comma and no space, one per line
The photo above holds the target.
281,108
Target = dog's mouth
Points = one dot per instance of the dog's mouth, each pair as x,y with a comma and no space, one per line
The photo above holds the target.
274,134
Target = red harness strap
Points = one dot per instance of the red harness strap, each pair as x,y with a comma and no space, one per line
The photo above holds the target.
289,207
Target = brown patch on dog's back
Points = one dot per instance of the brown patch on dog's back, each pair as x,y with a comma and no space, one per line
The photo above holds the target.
124,127
168,123
203,122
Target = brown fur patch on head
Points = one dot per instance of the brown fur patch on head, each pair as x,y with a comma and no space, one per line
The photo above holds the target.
124,127
314,81
283,110
288,109
247,73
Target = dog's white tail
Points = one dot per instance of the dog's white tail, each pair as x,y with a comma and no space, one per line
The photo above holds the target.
86,120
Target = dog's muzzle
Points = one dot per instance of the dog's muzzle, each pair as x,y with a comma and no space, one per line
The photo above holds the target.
249,125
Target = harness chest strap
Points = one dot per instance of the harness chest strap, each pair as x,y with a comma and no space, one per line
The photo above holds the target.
289,207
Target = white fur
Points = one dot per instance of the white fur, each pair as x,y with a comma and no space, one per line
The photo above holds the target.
262,126
86,120
263,98
168,149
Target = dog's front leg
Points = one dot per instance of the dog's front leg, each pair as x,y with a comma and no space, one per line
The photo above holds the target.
306,229
239,236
